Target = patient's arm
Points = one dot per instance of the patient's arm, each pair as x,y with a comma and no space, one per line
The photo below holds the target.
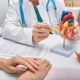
39,74
1,62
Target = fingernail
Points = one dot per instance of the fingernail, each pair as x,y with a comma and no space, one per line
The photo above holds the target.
23,70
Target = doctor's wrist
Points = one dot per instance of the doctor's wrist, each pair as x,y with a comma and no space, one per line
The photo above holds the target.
33,39
34,42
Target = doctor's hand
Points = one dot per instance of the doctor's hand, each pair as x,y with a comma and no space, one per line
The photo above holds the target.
76,31
10,65
40,32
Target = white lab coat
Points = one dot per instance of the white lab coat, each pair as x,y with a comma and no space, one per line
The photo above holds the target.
12,29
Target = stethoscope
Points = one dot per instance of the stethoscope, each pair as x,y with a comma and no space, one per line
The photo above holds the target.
47,9
22,13
47,5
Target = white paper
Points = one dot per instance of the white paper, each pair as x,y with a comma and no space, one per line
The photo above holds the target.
9,49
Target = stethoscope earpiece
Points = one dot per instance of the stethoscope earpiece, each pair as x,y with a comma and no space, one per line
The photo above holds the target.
54,4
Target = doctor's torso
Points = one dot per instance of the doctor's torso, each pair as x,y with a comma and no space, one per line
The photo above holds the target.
30,17
52,17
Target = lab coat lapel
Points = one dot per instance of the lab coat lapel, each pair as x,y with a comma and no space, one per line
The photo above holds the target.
27,8
43,12
33,14
27,13
30,15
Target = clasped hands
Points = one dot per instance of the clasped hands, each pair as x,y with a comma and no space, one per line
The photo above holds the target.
32,64
35,68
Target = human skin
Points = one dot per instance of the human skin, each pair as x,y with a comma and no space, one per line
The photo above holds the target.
76,30
10,65
40,74
40,30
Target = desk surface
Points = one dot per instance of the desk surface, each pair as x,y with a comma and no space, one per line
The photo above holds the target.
55,59
58,60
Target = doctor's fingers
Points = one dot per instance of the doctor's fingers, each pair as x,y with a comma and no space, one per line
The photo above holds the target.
32,62
76,35
41,34
38,39
77,29
27,63
42,25
76,24
41,61
28,59
41,30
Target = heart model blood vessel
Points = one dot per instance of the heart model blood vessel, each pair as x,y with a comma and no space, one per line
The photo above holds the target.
66,25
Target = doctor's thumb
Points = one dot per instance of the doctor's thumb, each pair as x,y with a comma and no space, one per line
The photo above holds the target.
44,23
18,70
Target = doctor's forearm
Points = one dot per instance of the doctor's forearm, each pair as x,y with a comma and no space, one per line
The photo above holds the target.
18,34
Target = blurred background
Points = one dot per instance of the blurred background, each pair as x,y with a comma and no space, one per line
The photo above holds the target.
71,5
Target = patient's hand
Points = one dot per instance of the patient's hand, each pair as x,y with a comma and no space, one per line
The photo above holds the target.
10,65
44,67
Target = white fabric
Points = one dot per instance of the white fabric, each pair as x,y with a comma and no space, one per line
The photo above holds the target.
12,29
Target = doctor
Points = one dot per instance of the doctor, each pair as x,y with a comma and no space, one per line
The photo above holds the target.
21,20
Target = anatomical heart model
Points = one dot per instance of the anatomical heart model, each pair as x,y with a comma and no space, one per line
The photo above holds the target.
66,32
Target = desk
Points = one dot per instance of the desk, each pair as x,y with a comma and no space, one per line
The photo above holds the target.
55,59
61,61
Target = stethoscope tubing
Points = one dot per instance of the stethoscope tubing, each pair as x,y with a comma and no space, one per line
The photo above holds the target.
22,13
